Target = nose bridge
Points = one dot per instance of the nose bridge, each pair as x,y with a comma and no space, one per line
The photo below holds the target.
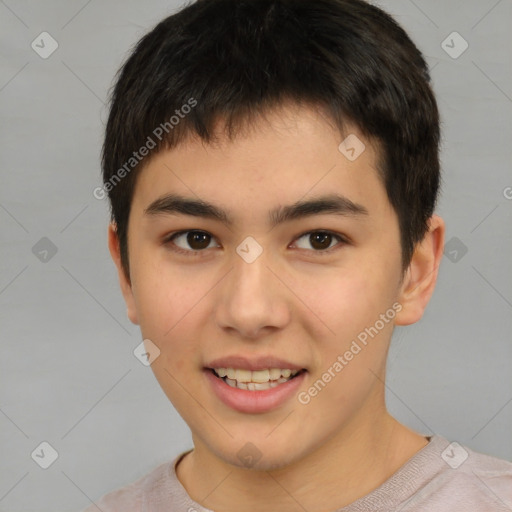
249,277
250,267
251,298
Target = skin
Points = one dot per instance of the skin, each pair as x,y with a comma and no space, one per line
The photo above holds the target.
293,302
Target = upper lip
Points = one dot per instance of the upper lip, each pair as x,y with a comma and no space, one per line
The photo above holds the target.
253,364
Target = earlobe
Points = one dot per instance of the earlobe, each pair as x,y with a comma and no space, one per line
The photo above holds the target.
421,276
124,282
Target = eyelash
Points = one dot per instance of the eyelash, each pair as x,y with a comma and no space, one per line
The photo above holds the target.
198,253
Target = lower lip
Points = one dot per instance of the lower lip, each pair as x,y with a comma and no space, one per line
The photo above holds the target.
254,402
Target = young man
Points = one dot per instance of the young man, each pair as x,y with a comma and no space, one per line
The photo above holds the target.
272,167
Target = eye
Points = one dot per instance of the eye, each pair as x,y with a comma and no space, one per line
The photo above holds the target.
195,240
320,241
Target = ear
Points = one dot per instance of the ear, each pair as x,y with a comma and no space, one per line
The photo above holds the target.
126,287
421,275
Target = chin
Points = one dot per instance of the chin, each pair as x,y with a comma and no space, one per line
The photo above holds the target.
258,454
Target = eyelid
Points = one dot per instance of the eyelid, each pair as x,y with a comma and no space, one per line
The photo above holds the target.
169,239
342,240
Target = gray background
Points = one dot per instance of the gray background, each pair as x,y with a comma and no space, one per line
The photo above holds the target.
68,373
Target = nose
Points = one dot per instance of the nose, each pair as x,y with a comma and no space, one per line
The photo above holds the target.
251,300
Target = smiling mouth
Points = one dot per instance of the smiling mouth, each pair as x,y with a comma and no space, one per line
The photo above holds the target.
258,380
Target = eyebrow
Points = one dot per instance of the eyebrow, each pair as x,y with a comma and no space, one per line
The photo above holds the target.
327,204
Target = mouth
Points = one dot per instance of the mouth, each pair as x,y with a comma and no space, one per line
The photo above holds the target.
255,380
256,391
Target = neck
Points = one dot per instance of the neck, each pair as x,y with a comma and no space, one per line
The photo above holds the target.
340,471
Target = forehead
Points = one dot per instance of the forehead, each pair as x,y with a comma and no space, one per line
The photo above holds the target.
286,155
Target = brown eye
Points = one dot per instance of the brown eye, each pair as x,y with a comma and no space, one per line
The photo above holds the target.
320,241
191,241
198,239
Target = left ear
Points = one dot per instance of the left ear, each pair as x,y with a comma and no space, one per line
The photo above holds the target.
421,275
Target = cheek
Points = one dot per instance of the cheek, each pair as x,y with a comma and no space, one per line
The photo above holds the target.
163,295
168,304
345,302
358,339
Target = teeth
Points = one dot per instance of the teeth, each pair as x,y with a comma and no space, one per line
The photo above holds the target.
242,375
257,380
260,376
275,373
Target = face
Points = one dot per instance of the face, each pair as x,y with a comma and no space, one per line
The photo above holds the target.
270,252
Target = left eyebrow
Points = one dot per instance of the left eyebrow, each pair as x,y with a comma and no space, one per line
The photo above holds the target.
330,204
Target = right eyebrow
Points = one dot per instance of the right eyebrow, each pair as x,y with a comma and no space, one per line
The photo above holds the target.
173,203
331,204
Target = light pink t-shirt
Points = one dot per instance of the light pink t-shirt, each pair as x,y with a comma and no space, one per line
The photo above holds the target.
439,478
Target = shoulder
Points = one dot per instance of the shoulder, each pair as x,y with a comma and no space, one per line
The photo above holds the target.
130,497
444,477
491,476
469,480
